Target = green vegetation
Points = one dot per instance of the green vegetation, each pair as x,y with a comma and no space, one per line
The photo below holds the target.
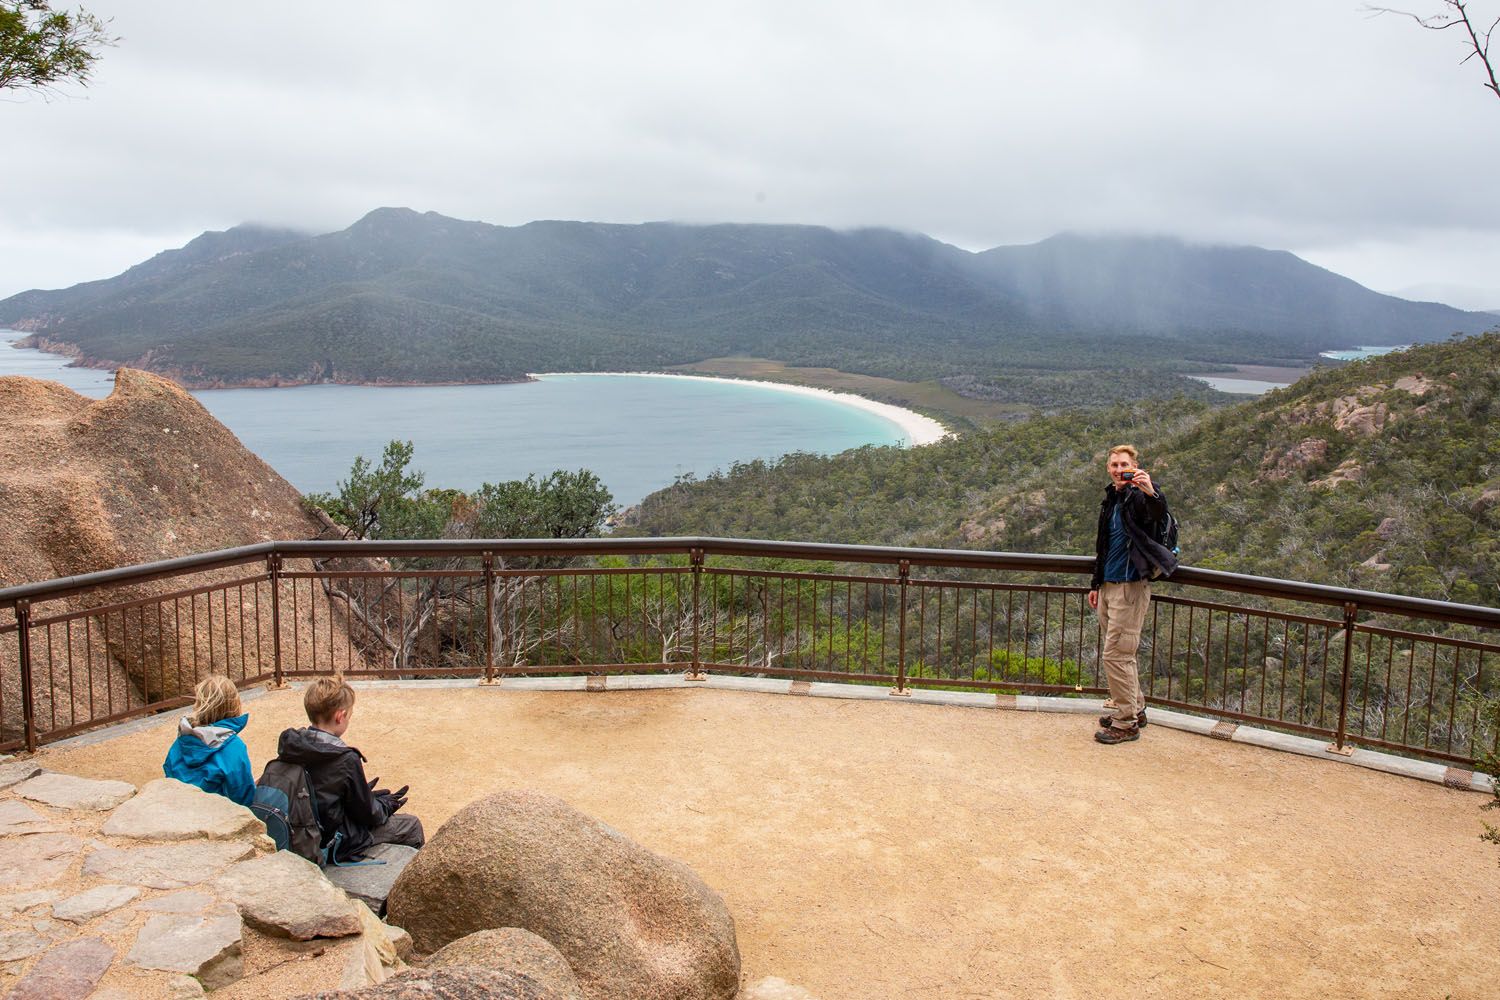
41,48
1380,474
388,502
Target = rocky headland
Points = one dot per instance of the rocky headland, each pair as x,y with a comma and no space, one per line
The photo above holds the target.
143,475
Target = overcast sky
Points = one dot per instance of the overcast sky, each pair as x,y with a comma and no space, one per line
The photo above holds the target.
1358,143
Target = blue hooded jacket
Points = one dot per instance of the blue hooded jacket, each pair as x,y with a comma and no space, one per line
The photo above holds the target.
214,758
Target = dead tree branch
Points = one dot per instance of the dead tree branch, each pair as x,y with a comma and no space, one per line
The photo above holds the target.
1456,15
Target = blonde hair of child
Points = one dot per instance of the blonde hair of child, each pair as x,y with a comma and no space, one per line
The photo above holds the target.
215,699
325,696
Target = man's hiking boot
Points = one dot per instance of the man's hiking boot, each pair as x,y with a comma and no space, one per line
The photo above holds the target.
1110,735
1140,720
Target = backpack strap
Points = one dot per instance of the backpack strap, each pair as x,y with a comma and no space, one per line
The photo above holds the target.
331,856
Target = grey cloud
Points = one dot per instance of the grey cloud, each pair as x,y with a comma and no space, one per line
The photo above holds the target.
1307,127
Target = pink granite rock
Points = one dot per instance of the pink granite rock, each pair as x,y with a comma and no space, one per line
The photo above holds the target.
68,972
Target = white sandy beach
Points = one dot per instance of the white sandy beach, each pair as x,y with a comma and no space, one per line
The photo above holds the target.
919,429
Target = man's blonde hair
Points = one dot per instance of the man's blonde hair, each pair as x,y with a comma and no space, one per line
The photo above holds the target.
325,696
214,700
1128,449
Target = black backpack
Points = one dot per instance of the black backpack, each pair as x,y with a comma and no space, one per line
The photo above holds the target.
284,801
1166,533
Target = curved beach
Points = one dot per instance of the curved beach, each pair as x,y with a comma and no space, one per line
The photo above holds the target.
919,429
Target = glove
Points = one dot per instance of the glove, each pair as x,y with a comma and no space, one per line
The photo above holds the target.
393,800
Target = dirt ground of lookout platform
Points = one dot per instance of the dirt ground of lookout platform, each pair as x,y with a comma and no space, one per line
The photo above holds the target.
872,849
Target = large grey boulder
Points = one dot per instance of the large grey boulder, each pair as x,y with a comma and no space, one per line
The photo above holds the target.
167,809
287,896
459,982
511,949
633,925
371,883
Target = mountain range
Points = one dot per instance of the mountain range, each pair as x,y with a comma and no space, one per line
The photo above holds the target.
402,296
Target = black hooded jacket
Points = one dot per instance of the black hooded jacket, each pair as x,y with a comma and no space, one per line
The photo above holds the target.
1139,515
347,808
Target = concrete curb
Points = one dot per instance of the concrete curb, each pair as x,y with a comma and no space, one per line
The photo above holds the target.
1305,746
129,726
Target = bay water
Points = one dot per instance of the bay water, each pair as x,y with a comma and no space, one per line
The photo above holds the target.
1360,353
636,433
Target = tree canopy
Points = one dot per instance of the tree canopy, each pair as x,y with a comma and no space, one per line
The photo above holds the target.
389,501
41,48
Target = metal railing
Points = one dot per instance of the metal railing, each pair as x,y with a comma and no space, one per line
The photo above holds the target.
1408,675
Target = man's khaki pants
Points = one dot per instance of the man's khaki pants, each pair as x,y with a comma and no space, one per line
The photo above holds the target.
1122,613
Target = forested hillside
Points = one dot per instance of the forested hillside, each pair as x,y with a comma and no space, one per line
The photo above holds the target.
1382,474
406,297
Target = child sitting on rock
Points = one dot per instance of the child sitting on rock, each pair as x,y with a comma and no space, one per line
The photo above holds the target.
354,815
208,751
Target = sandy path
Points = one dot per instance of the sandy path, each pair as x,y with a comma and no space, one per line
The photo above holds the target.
896,850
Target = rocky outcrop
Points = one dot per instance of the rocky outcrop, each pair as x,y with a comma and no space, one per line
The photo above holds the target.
1348,471
1366,411
143,475
98,901
631,923
1305,453
511,949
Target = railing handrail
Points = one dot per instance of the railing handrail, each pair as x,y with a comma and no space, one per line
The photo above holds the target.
139,573
1365,600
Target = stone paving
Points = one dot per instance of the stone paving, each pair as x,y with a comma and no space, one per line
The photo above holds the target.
110,892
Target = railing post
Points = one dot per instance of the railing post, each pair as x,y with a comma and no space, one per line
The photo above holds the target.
28,695
273,566
1337,746
695,558
489,617
903,569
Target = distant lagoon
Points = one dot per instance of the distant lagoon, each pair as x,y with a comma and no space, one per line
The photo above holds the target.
637,434
1240,386
1259,387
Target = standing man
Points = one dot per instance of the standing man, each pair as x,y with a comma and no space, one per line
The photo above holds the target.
1127,558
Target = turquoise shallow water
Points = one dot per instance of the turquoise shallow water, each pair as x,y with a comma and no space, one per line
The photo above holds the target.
1360,353
637,434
